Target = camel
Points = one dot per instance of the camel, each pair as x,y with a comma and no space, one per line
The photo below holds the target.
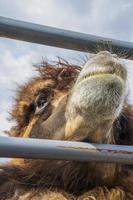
68,102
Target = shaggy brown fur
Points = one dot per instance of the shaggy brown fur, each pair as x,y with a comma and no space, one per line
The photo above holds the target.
57,77
62,180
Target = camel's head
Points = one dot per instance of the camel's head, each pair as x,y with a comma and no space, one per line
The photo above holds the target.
97,97
66,103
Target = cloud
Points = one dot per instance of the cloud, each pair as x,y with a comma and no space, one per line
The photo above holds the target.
4,123
12,70
129,65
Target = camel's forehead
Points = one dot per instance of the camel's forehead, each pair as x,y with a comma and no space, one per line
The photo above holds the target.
40,84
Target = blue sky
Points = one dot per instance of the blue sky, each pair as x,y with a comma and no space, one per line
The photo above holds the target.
108,18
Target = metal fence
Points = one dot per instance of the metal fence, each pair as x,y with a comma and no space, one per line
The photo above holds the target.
53,149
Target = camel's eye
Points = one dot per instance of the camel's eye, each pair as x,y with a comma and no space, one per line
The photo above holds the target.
42,100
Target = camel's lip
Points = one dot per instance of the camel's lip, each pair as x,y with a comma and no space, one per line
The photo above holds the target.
96,73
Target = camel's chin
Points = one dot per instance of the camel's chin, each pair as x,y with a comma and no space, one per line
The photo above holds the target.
101,94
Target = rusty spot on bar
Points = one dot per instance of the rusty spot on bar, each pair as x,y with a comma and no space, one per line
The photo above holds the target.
78,148
96,150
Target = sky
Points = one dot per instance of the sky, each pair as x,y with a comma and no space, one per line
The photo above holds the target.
108,18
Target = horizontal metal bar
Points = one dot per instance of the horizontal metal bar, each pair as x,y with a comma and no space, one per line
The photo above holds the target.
40,34
64,150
